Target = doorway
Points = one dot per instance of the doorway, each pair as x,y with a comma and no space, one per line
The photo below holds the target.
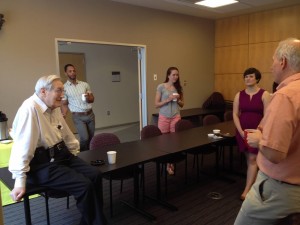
128,79
74,59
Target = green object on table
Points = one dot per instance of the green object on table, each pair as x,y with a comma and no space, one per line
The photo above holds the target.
5,150
4,158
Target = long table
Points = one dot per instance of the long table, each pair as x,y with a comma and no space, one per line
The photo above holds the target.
139,152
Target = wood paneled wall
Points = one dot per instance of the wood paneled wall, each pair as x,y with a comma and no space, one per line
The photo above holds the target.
249,41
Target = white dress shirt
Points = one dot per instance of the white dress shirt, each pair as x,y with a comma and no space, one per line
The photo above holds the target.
35,125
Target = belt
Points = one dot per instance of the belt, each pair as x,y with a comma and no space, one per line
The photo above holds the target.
279,181
56,152
83,113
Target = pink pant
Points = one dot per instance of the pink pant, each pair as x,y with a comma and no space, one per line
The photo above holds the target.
167,125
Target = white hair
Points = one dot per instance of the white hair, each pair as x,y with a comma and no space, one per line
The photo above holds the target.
290,49
45,82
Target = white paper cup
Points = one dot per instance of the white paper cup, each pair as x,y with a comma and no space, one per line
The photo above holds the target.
111,155
83,97
210,135
216,131
175,99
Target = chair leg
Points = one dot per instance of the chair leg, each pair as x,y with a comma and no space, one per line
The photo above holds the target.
47,207
194,161
197,161
166,183
121,186
27,210
110,197
68,201
142,184
185,168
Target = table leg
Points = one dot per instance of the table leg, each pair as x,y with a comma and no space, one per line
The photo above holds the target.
135,205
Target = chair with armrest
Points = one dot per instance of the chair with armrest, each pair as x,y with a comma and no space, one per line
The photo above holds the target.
152,131
228,116
292,219
99,142
182,125
6,178
229,142
210,120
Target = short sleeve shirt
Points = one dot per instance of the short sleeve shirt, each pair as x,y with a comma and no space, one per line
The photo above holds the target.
281,132
170,109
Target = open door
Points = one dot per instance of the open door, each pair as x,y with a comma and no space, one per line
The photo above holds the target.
142,87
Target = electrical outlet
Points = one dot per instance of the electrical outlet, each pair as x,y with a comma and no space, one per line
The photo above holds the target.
108,113
155,76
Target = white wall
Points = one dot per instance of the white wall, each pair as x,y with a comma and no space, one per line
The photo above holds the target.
27,44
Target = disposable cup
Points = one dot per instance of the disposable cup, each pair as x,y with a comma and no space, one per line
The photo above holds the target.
111,155
83,97
175,99
245,138
216,131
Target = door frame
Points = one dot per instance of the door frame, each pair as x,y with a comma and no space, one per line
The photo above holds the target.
141,71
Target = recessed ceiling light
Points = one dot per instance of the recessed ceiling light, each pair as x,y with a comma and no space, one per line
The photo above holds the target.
215,3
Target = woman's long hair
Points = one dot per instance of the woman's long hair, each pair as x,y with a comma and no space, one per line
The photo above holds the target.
177,84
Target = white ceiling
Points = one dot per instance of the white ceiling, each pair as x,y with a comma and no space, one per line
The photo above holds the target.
188,7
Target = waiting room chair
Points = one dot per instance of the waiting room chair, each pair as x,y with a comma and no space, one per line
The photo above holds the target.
210,120
6,178
228,116
152,131
99,142
292,219
182,125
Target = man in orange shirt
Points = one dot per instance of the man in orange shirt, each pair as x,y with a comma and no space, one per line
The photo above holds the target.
276,191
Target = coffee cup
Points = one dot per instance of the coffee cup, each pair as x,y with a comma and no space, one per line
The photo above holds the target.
175,99
111,155
216,131
83,97
245,137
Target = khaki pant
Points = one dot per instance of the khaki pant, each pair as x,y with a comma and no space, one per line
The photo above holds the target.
268,201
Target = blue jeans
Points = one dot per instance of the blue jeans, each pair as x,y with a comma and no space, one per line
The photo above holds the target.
85,125
268,201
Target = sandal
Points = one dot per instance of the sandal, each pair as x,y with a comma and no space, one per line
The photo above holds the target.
170,170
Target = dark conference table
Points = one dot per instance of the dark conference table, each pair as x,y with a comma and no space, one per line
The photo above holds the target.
138,152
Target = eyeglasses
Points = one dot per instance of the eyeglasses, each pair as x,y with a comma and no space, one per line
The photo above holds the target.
59,91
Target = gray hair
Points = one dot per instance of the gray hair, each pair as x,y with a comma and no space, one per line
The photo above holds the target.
45,82
290,49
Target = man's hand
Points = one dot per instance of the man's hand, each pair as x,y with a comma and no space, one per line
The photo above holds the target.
17,193
253,137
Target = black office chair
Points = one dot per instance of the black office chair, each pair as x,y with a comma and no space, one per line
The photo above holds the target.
99,142
228,116
6,178
292,219
152,131
182,125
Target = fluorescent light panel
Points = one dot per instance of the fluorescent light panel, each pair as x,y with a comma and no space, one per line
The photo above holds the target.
215,3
